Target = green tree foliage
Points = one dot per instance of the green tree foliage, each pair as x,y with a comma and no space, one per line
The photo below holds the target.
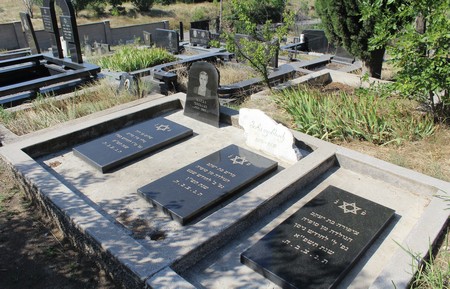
417,33
258,11
264,43
343,26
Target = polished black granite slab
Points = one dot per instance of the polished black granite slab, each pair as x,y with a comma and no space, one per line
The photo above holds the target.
202,99
112,150
193,189
317,245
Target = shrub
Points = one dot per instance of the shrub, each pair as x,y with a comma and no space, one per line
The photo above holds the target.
129,58
364,116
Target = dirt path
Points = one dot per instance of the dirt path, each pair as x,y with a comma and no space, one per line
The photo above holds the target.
34,253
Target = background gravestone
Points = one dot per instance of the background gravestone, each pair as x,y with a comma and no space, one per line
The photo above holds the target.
147,38
202,100
30,35
70,31
167,39
51,27
199,37
317,41
318,245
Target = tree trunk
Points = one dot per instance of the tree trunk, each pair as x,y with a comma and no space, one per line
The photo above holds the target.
374,65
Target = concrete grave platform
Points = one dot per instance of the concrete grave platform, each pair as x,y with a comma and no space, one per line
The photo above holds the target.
140,246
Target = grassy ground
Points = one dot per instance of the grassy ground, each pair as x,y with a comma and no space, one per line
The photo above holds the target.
10,9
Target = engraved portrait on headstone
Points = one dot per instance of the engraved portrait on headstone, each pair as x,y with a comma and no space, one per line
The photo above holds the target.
202,100
202,89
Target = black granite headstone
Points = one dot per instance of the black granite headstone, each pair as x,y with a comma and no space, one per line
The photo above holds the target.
316,40
202,100
51,27
318,245
199,37
112,150
29,32
70,30
193,189
66,28
167,39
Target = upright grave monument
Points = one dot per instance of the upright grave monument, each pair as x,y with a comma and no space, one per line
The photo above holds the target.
112,150
195,188
202,100
199,37
167,39
51,27
317,245
30,35
68,27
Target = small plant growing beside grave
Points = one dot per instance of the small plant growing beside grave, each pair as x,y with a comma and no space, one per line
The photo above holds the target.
129,58
258,51
432,271
364,116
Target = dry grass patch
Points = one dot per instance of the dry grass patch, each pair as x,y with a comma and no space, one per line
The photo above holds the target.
229,73
175,13
48,111
430,156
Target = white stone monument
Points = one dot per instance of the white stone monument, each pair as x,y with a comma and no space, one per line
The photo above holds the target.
265,134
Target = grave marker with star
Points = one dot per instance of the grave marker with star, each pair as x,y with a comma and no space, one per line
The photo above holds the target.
319,244
112,150
197,187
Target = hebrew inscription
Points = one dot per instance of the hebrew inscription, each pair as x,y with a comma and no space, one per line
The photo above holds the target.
318,245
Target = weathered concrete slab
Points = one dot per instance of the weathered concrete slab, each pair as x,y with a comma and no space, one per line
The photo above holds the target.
105,214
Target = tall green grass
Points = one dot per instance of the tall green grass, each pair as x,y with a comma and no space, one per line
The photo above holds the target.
366,115
130,58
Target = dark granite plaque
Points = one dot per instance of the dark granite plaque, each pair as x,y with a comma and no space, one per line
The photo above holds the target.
199,37
318,245
193,189
47,19
112,150
167,39
202,100
66,28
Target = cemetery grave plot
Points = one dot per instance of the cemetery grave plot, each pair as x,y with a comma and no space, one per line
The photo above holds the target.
291,245
156,167
22,78
124,228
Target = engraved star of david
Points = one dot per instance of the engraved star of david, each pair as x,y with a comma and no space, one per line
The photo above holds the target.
239,160
163,127
353,208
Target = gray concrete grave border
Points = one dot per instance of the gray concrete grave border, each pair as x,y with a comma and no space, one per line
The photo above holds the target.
173,264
